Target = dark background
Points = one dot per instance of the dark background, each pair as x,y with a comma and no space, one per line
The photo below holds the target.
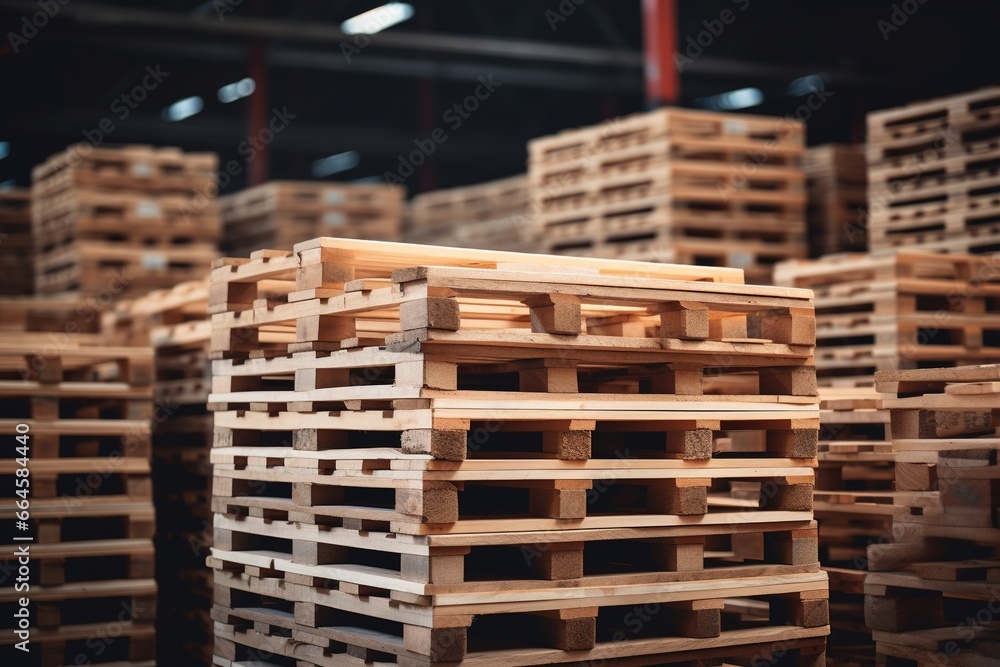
64,80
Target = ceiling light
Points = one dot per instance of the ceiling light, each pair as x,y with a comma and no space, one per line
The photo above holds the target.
236,91
806,85
335,164
378,19
734,99
185,108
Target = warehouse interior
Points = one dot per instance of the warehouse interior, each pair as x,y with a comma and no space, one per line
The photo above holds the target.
469,333
562,64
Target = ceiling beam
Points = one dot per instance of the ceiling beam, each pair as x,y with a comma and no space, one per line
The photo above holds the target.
232,24
297,58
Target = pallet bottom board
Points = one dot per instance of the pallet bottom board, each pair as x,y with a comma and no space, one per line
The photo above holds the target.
743,643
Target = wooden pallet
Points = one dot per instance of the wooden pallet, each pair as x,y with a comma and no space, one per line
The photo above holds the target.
130,167
409,437
932,167
836,182
176,323
282,213
945,561
489,216
897,310
668,176
571,630
847,529
702,132
894,133
15,235
87,409
110,223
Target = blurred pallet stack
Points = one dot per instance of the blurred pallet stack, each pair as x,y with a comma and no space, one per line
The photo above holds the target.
176,323
16,261
931,597
488,216
119,222
836,179
854,503
932,174
282,213
429,455
899,309
674,185
76,416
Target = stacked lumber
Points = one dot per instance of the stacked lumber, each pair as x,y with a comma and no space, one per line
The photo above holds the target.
488,216
175,322
853,503
119,222
674,185
932,175
280,214
931,597
76,417
836,180
427,455
16,261
900,309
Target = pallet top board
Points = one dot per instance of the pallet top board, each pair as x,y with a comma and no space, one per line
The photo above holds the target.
314,192
849,398
472,196
138,161
500,308
278,204
917,264
55,313
186,301
971,382
741,130
163,317
377,257
928,115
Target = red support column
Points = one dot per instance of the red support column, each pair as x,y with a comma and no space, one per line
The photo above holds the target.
663,84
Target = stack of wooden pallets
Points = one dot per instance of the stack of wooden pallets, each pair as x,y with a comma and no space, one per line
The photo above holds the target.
932,174
836,179
428,455
176,323
16,261
674,185
854,503
931,597
282,213
116,222
489,216
76,506
902,309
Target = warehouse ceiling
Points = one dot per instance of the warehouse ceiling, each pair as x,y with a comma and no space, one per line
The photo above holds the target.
348,107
